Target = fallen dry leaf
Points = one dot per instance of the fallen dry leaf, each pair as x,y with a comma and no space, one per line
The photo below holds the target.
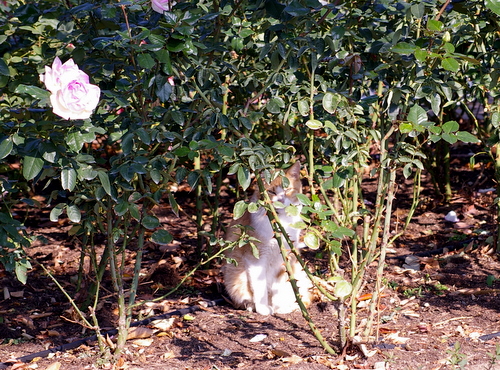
167,355
18,294
429,263
396,339
293,359
279,353
139,332
19,366
54,366
52,333
143,342
164,324
109,342
6,293
258,338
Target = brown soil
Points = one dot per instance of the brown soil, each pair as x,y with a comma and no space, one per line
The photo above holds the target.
430,318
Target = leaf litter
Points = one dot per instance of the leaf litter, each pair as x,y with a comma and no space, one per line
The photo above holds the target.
440,298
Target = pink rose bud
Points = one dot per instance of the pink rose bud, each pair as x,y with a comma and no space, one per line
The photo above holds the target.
162,6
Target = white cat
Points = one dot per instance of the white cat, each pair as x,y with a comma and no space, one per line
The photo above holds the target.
262,284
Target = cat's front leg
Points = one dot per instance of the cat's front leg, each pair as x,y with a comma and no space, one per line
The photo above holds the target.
258,283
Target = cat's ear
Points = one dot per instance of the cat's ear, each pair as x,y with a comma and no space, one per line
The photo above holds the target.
294,171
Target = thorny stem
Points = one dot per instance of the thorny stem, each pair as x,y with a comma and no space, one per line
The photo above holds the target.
117,281
375,301
137,269
379,206
87,324
310,135
281,234
199,204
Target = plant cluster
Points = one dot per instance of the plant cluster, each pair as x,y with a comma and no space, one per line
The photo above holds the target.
193,91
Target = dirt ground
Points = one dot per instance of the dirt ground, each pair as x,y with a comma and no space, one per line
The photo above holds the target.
440,307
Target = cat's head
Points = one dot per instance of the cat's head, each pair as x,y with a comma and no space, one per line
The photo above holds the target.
279,191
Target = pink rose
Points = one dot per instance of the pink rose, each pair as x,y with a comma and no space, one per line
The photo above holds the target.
73,97
161,6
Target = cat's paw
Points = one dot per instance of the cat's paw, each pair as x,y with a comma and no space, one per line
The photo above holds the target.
286,309
263,309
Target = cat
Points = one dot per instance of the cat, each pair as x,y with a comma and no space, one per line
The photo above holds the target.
262,284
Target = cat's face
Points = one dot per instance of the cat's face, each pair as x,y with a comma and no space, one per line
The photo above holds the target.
286,193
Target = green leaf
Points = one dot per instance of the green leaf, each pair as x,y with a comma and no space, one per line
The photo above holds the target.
22,270
490,279
75,141
121,208
49,151
330,102
182,151
275,105
292,210
6,147
421,54
304,199
303,106
301,225
494,6
314,124
34,91
405,127
163,92
450,64
161,237
4,68
404,48
466,137
342,289
74,213
56,212
435,103
417,115
495,120
104,178
146,61
278,205
32,166
433,25
451,138
407,170
134,211
239,209
253,207
311,239
449,47
150,222
173,203
244,177
68,178
450,126
127,172
345,231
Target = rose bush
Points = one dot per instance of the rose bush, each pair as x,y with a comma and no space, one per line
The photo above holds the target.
73,96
